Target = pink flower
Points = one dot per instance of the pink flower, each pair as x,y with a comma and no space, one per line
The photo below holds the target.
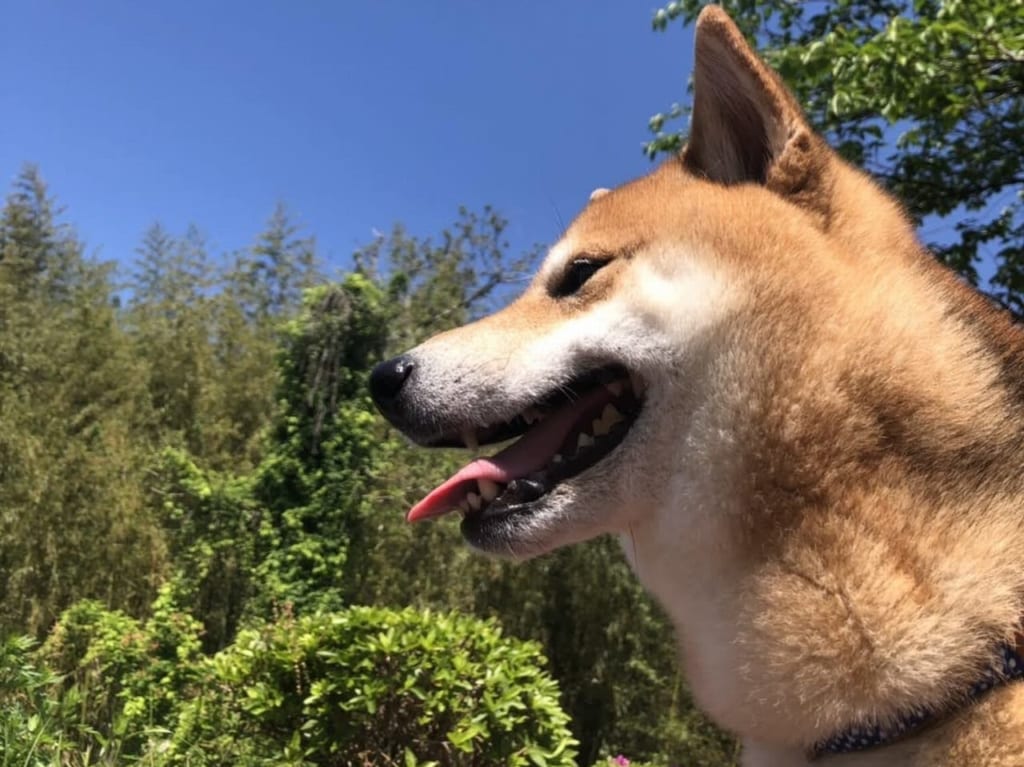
620,761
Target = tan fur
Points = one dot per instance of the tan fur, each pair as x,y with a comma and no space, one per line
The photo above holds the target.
826,495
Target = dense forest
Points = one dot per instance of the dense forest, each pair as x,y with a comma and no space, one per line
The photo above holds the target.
203,558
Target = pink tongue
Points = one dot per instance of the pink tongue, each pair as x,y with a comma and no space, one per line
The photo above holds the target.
528,454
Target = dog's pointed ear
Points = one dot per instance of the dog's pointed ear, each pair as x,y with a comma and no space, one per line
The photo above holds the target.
746,126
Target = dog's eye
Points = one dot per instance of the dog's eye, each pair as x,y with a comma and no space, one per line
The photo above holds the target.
579,271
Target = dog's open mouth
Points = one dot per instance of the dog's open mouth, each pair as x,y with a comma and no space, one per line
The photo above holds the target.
560,436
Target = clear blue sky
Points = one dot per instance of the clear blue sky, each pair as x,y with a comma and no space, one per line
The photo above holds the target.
356,114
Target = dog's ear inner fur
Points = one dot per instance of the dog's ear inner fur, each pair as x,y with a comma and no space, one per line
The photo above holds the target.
745,125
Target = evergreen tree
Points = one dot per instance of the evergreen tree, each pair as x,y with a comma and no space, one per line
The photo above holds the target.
283,264
169,317
36,252
72,523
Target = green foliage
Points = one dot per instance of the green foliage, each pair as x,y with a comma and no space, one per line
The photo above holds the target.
316,476
364,686
212,526
283,265
372,686
29,718
38,255
207,340
169,309
122,678
72,447
926,94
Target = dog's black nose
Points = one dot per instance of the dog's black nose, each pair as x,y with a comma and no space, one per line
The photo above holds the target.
387,380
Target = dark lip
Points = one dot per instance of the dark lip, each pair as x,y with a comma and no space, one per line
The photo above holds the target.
490,434
478,526
485,528
513,501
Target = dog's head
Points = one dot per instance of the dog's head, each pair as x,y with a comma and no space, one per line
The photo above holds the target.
598,369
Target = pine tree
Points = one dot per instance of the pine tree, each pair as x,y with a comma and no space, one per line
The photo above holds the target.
169,317
72,522
283,264
36,253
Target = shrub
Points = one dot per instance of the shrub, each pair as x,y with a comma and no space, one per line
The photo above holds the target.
123,679
28,728
211,523
370,686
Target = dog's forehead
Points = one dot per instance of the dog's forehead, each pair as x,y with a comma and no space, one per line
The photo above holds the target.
621,219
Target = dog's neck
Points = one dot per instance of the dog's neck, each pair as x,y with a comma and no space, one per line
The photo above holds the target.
751,677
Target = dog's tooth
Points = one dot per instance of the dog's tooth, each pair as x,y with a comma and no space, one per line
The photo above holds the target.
469,437
558,458
610,415
584,440
488,489
600,427
474,501
615,387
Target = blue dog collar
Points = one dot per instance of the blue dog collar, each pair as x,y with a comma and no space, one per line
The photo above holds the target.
1007,666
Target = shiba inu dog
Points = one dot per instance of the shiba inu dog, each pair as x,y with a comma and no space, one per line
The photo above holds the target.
808,434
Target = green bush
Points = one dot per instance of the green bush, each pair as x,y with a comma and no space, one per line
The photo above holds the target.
370,686
211,522
123,680
29,735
